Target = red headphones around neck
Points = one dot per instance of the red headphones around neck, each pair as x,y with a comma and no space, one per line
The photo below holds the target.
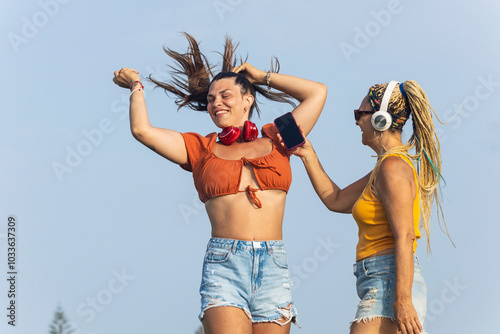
230,134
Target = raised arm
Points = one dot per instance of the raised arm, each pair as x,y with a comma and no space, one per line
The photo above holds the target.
396,188
310,94
334,198
167,143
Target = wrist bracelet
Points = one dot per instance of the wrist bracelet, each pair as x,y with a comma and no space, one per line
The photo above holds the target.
133,83
268,81
137,89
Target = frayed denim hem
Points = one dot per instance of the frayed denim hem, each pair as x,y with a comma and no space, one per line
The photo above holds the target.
288,314
221,303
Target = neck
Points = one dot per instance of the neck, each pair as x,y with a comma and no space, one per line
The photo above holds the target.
386,141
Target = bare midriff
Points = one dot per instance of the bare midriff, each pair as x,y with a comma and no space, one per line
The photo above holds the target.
236,216
239,216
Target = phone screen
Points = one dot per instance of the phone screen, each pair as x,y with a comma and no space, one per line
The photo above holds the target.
289,131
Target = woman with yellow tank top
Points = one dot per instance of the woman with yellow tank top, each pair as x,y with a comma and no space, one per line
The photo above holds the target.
388,205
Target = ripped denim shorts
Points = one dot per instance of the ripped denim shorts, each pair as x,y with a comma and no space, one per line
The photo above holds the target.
250,275
376,281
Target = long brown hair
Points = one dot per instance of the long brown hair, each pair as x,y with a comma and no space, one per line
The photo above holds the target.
192,76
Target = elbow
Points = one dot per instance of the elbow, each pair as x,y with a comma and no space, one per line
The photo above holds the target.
334,203
337,209
328,200
410,236
138,133
330,207
405,238
333,206
322,91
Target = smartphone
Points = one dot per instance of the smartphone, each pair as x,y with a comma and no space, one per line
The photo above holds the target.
289,131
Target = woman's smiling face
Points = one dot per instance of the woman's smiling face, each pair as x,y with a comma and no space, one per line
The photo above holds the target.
226,105
365,124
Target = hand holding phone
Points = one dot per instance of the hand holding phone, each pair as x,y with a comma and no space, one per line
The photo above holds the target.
289,131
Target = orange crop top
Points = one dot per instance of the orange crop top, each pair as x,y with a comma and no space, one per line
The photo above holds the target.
375,233
214,176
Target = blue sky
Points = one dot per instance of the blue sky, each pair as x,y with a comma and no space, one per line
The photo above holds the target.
116,235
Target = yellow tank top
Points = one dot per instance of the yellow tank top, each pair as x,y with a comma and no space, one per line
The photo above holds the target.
375,233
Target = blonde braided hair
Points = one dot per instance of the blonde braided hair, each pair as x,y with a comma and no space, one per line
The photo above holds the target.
424,140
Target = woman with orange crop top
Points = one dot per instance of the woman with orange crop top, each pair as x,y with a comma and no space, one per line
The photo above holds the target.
245,284
387,204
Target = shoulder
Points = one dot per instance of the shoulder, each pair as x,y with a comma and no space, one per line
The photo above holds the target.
395,169
395,163
195,139
197,147
269,130
395,184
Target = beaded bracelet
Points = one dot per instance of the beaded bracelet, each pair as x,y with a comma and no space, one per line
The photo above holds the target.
133,83
136,89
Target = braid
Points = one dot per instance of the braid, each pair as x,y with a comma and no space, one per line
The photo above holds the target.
192,76
428,153
397,107
424,140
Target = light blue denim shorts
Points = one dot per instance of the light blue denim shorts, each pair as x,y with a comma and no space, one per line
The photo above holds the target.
376,281
250,275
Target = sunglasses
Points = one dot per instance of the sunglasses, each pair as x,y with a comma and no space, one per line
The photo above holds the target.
358,113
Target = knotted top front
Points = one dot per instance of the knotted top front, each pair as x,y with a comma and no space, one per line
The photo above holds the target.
214,176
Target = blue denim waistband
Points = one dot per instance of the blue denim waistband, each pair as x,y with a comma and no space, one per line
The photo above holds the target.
379,260
246,245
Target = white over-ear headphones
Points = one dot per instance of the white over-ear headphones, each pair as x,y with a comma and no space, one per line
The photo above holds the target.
382,120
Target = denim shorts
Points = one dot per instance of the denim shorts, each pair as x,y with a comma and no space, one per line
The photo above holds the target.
376,281
250,275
